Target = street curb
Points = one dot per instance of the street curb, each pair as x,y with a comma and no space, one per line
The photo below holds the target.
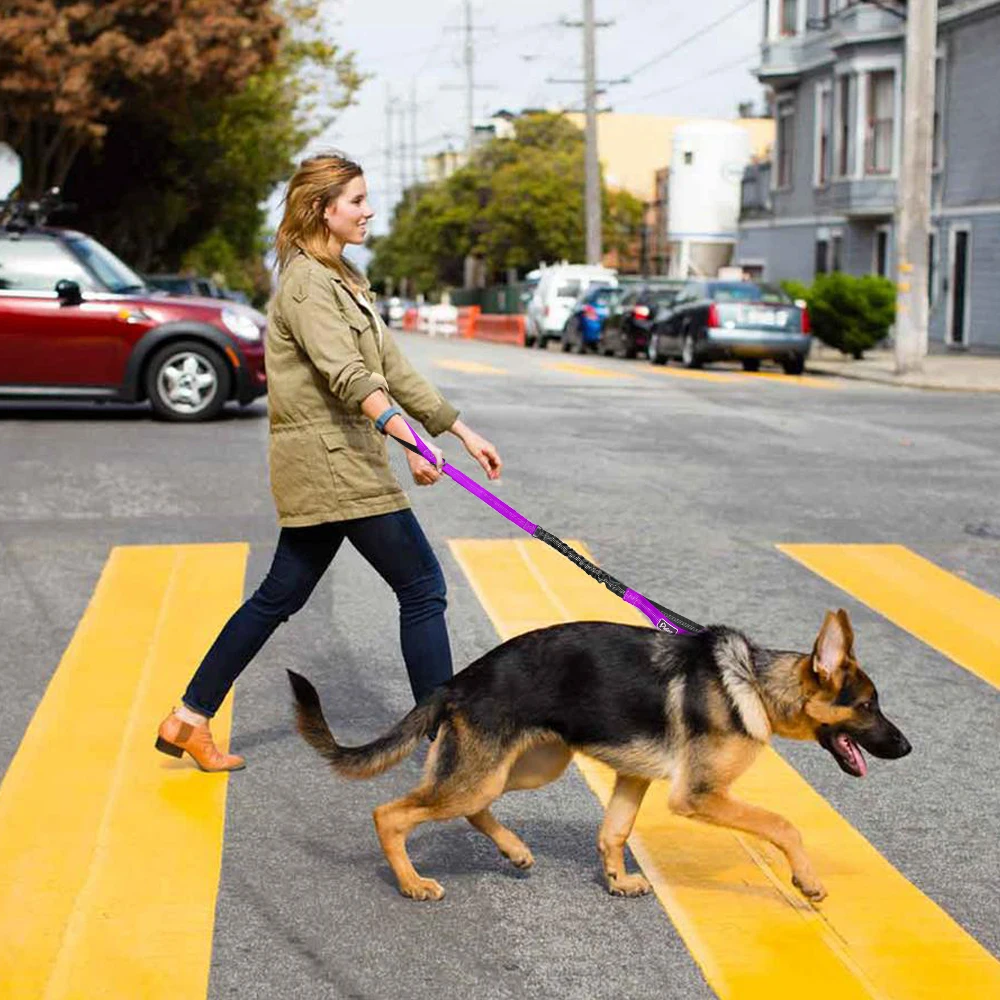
894,380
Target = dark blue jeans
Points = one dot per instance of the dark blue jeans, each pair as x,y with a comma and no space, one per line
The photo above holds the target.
396,547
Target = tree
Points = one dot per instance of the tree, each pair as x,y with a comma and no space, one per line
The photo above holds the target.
66,68
178,183
519,202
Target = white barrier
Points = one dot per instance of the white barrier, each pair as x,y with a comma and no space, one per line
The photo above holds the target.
438,321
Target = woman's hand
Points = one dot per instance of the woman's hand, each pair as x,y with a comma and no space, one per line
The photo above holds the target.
425,474
483,452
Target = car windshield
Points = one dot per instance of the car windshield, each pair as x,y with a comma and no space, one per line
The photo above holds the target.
748,291
116,275
568,289
664,296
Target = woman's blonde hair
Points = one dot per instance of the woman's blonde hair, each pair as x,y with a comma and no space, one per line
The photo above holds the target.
318,181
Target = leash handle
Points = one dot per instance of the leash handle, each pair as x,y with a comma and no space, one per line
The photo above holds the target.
662,618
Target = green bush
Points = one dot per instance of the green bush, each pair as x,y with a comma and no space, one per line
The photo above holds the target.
848,313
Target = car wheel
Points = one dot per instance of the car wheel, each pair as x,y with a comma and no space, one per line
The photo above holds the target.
689,357
795,366
653,351
542,342
751,364
187,381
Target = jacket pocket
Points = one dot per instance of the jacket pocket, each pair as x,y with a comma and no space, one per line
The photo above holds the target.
359,463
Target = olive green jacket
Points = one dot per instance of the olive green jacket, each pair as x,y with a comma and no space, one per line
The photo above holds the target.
325,352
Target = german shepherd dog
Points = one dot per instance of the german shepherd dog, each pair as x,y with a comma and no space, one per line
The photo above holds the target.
695,708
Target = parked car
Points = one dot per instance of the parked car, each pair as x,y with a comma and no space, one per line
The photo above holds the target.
626,330
78,323
559,288
583,327
744,320
180,284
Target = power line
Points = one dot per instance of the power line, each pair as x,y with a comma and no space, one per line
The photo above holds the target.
694,79
691,38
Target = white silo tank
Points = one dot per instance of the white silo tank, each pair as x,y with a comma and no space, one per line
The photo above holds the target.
706,170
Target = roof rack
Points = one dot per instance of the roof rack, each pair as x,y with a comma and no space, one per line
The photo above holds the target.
19,214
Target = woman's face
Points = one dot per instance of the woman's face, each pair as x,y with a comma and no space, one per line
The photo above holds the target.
347,215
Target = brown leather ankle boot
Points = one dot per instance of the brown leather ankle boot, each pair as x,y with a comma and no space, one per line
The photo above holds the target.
177,737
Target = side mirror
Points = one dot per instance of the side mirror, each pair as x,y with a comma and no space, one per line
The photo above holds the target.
69,292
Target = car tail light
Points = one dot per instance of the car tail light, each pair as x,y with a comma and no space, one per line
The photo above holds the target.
590,312
713,316
641,312
806,322
545,311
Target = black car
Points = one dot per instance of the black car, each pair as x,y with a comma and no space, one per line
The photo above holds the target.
742,320
628,325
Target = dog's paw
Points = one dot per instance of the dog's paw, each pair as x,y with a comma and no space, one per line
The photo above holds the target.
423,889
810,887
628,885
520,857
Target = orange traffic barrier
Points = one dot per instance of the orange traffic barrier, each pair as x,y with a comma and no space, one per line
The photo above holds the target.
468,317
507,329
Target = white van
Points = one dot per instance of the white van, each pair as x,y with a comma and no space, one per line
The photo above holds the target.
558,289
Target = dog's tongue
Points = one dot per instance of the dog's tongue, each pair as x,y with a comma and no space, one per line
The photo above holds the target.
852,751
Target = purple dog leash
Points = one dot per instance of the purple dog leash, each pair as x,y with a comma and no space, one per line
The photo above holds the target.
663,618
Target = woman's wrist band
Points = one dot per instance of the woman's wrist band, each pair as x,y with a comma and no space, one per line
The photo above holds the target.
386,416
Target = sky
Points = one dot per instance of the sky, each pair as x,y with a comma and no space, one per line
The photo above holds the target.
519,45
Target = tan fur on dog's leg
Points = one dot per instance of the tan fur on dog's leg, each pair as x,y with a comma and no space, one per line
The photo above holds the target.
718,808
508,843
619,818
393,822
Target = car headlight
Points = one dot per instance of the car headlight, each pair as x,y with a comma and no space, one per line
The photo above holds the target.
241,324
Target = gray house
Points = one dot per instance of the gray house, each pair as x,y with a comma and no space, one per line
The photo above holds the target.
826,200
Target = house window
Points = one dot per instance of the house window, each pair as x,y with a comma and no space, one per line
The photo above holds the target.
836,252
931,267
881,261
881,122
844,129
789,17
937,148
822,256
823,125
785,142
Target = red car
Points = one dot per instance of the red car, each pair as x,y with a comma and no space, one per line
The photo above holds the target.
77,323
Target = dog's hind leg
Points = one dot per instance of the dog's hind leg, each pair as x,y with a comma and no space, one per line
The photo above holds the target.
393,822
508,843
463,775
619,818
537,766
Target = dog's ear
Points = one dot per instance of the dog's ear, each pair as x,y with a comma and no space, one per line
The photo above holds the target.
831,648
848,630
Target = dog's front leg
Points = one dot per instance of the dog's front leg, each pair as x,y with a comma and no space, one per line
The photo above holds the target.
720,809
618,820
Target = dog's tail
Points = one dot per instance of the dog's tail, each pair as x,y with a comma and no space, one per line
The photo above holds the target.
372,758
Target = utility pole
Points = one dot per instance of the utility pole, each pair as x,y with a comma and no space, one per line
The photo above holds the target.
913,210
414,156
592,168
387,183
470,86
470,82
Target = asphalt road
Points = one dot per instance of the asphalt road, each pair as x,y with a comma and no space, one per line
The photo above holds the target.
682,487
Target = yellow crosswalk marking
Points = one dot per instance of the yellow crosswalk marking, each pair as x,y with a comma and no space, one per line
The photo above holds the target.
729,894
472,367
801,380
692,373
592,370
951,615
110,851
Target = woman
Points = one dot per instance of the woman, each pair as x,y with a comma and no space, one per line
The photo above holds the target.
332,367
